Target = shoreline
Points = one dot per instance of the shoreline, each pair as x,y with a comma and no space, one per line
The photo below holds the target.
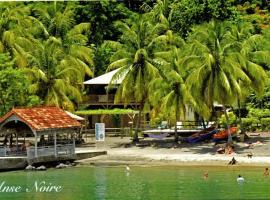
114,159
150,152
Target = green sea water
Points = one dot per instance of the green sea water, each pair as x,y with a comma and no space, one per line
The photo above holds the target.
140,183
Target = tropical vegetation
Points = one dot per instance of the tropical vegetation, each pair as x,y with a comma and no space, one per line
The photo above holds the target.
173,54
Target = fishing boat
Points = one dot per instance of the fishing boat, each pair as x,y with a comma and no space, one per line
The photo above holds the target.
224,134
202,135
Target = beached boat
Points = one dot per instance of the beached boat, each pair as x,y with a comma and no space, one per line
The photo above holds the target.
202,135
224,134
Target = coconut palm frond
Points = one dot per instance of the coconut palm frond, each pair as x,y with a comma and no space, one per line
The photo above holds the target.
118,64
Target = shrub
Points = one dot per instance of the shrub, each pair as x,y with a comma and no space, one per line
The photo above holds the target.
265,122
232,119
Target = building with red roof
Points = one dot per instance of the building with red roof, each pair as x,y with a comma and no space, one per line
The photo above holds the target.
40,119
44,123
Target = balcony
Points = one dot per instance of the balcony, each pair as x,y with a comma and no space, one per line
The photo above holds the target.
102,100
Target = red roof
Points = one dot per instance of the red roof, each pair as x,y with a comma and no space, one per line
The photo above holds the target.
41,118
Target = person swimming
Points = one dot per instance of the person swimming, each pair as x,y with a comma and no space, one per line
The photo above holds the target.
127,170
205,175
266,172
240,179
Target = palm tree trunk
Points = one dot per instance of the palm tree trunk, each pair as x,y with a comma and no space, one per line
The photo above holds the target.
203,123
135,136
228,126
240,118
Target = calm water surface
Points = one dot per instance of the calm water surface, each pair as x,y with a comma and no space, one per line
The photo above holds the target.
155,183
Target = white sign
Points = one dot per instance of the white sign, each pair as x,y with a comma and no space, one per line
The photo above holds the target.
100,131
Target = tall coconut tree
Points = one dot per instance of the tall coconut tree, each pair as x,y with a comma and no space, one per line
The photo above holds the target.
216,73
58,56
169,92
51,79
13,30
57,20
251,59
160,12
135,55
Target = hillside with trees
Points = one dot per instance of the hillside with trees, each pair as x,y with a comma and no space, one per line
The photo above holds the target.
174,53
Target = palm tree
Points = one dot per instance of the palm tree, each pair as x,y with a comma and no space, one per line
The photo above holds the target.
57,56
57,20
216,72
51,79
169,92
135,55
161,11
13,30
251,59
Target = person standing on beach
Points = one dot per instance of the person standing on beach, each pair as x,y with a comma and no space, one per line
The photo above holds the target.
266,172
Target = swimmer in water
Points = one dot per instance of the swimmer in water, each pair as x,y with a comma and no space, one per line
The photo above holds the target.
266,172
240,179
127,170
205,175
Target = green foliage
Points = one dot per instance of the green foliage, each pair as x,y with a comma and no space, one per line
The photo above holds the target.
58,56
13,89
250,124
261,101
256,12
186,13
265,122
257,119
5,61
259,113
102,59
115,111
232,119
135,55
101,14
60,44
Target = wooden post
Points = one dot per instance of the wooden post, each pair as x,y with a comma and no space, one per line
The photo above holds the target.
73,152
36,153
55,143
17,148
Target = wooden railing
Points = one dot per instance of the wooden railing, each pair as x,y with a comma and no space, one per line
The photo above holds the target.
14,151
59,150
3,151
109,132
100,99
92,98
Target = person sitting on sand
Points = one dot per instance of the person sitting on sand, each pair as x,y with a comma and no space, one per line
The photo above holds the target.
249,155
266,172
229,150
258,143
232,162
221,150
240,179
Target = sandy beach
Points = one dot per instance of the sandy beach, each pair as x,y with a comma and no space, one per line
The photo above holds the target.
121,151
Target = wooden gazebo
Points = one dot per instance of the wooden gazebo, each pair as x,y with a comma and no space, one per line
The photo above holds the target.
42,123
